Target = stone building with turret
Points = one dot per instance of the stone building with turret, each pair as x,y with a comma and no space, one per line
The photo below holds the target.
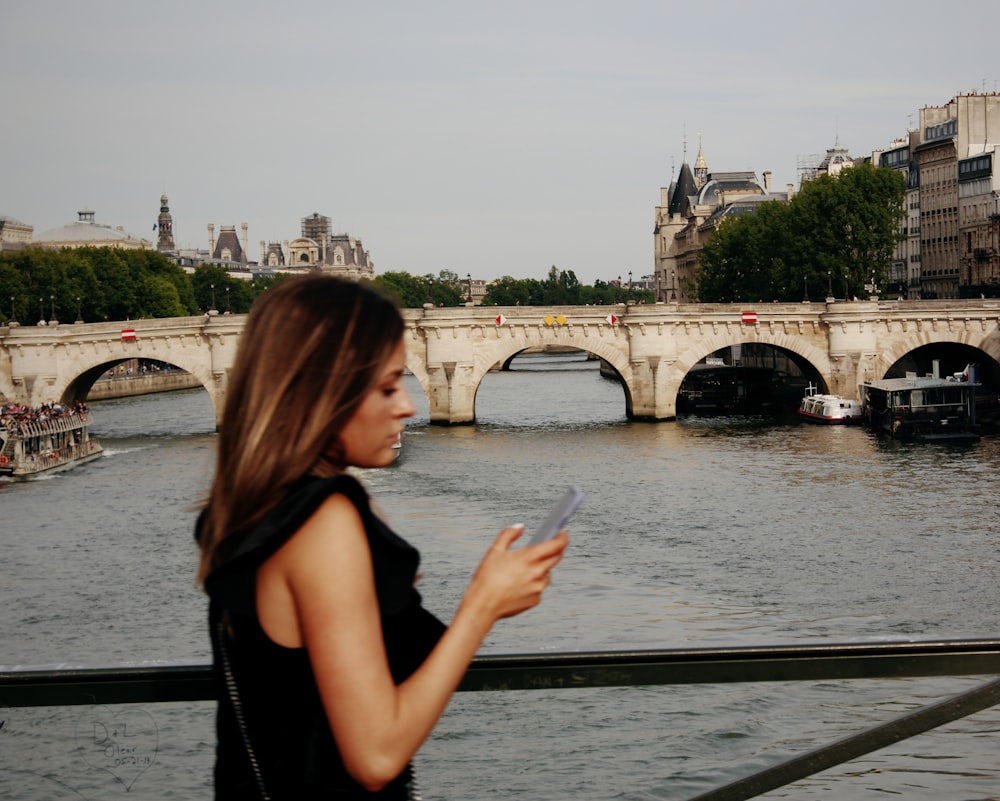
319,249
690,210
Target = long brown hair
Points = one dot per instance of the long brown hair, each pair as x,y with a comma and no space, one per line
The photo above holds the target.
312,348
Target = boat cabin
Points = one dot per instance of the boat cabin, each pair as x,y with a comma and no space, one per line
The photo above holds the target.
925,408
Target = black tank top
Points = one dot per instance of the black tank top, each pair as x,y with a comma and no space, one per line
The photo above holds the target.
270,692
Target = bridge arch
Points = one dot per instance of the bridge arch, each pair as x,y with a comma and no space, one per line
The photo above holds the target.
819,359
505,351
918,351
900,349
807,353
69,388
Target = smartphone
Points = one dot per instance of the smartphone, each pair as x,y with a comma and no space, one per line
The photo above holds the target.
559,516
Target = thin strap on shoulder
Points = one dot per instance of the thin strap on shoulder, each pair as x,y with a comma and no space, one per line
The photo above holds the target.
219,634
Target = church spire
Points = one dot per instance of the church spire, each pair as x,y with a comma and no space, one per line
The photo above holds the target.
165,226
700,166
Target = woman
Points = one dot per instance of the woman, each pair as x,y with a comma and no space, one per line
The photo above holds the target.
331,672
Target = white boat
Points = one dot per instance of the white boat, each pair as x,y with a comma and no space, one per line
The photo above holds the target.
830,409
35,442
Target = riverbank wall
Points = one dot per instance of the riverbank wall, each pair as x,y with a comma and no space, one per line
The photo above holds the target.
127,386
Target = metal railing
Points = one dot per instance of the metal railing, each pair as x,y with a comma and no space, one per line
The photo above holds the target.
874,660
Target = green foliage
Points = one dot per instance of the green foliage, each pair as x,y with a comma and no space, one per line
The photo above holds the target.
837,234
94,283
213,288
412,292
560,288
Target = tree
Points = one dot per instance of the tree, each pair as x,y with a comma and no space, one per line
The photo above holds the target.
210,282
837,232
409,292
507,291
412,292
160,298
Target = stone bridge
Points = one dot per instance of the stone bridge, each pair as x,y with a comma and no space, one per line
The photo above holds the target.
450,350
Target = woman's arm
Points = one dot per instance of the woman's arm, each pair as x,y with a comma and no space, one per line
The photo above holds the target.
319,591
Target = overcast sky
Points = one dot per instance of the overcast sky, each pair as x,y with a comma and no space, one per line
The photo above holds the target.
484,138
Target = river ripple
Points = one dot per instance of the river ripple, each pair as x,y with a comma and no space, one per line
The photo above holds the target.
696,532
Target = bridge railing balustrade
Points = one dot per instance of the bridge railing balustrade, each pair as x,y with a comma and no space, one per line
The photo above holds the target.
171,683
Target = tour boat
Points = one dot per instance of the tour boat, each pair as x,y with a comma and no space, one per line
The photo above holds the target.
830,409
923,409
33,445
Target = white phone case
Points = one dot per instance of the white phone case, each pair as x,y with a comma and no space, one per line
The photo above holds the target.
559,516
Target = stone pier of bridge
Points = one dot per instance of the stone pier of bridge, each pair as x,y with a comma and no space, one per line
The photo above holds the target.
450,350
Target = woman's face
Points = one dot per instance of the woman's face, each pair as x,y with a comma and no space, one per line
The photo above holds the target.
368,438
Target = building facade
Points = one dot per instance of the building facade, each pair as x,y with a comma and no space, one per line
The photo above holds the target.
959,190
979,225
937,161
318,248
903,274
14,234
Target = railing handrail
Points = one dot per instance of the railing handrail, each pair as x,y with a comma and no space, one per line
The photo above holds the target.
166,682
171,681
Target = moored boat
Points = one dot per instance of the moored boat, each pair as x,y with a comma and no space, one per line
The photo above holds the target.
923,408
830,409
35,442
713,387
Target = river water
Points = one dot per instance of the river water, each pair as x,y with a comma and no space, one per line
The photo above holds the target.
699,532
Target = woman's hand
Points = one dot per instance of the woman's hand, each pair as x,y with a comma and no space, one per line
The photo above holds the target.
509,581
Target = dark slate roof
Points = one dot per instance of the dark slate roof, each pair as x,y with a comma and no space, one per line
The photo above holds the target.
738,208
684,187
719,182
228,239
